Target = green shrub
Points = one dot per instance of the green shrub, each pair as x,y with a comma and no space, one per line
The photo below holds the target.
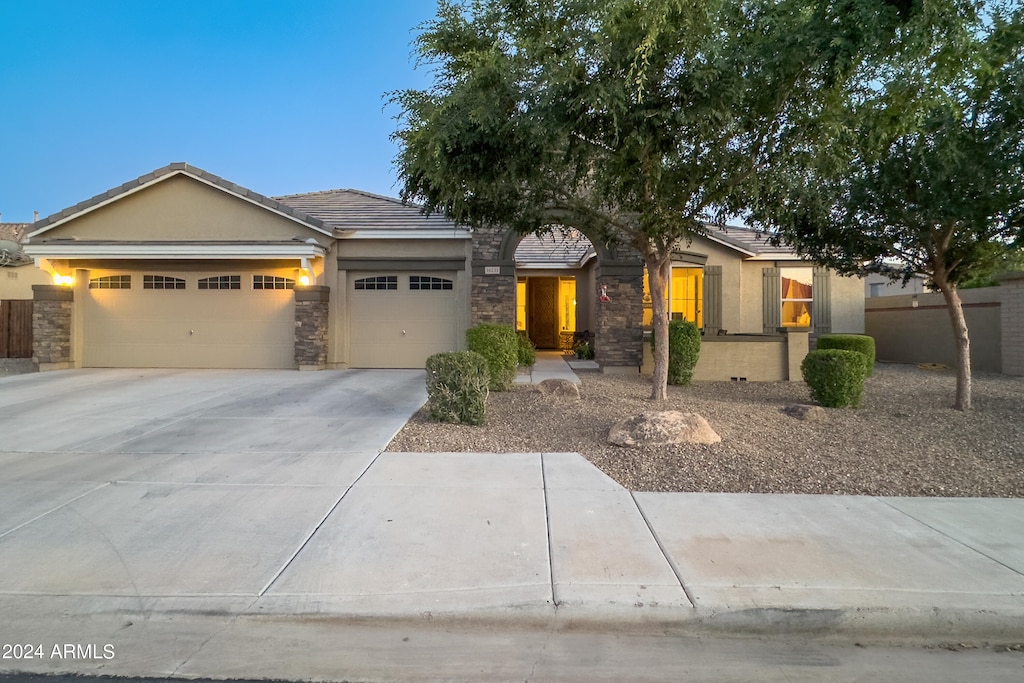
527,351
861,343
457,387
584,351
835,376
499,344
683,350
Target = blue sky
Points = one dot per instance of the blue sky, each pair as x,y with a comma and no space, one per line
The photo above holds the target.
278,96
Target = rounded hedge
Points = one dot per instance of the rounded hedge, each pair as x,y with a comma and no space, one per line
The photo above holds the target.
499,344
457,384
861,343
527,351
835,376
683,350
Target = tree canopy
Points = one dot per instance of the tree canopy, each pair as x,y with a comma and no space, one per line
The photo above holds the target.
924,166
637,121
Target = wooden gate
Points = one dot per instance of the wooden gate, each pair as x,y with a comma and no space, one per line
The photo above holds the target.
16,329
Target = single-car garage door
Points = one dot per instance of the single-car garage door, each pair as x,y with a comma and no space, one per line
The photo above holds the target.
398,320
230,319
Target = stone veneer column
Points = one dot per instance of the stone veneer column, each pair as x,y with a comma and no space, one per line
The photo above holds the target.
618,339
493,286
1011,318
311,310
51,327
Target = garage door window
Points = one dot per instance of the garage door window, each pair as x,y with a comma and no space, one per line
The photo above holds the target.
221,282
111,282
272,282
425,282
162,282
378,282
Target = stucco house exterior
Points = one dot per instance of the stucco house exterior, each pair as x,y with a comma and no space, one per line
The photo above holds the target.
182,268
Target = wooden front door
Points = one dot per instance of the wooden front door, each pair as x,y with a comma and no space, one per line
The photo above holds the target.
542,312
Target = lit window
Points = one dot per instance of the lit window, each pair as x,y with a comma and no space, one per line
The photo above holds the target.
162,282
111,282
221,282
797,297
684,296
377,282
521,304
567,303
424,282
272,282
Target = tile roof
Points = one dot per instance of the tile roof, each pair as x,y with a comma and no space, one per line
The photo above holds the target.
753,242
14,232
357,210
554,249
172,169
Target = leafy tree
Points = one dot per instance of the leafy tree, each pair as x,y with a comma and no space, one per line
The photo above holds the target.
636,121
926,165
1008,260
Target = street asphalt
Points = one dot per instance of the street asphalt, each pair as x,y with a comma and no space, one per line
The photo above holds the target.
171,515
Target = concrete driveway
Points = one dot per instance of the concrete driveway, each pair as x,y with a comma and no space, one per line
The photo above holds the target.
141,484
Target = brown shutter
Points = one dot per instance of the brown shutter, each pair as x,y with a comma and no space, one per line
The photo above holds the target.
771,288
821,306
712,300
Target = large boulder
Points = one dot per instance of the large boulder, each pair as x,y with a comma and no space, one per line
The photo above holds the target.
559,387
662,428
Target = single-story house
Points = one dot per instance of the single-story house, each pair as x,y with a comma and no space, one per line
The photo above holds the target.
181,268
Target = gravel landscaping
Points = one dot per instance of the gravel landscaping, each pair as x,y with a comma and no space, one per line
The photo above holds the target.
905,440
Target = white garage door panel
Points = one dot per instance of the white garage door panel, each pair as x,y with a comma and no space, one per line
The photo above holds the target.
400,328
189,328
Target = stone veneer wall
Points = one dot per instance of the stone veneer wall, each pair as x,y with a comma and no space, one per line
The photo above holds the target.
618,337
311,310
493,299
1011,312
492,295
51,326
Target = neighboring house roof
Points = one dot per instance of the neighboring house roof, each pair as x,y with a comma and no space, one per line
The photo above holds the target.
752,243
170,171
11,236
13,232
554,250
364,214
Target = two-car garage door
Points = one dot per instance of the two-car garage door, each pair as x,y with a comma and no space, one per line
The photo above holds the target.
236,319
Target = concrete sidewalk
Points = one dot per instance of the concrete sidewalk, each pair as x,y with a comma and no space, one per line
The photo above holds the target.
494,541
531,537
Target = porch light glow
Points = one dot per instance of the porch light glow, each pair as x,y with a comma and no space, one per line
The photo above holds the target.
304,280
63,280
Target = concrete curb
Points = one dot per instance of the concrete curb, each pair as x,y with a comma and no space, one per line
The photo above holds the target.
866,625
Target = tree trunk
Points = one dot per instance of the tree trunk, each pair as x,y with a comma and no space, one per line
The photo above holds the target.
963,344
659,269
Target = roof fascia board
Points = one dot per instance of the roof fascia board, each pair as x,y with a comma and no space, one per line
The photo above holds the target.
778,257
729,244
160,179
165,251
405,234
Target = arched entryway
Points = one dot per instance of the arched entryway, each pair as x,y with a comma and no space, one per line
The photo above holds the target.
614,283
